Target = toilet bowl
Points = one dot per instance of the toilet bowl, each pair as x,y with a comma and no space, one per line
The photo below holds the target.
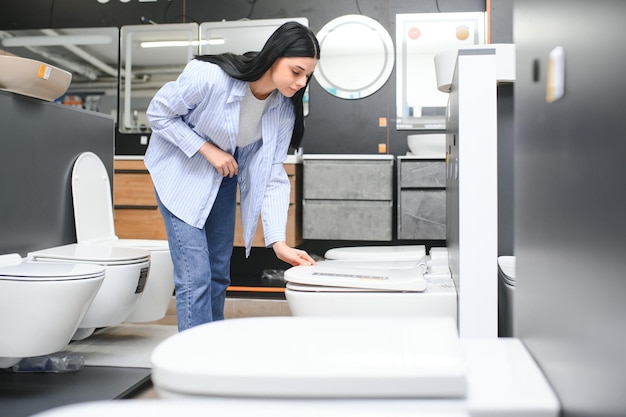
364,365
375,281
125,274
506,295
42,304
93,213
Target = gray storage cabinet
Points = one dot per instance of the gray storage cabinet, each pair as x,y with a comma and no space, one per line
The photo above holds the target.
348,197
421,198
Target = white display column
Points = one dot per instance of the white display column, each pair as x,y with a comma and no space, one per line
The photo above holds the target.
472,190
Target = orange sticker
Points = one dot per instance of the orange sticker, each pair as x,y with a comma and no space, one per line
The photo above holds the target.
44,72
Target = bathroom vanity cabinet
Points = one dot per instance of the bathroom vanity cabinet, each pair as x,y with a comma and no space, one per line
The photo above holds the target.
421,198
294,215
137,215
348,197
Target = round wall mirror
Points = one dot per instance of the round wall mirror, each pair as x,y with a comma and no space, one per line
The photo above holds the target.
357,56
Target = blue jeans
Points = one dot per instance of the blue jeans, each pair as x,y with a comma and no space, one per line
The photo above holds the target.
201,258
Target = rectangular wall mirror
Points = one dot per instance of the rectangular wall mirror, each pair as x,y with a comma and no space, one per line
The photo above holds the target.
419,37
150,56
243,36
90,54
138,59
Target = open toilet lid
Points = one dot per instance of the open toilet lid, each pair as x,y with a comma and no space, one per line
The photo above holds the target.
314,357
91,195
377,253
358,275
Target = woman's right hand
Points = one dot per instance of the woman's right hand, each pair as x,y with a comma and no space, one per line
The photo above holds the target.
222,161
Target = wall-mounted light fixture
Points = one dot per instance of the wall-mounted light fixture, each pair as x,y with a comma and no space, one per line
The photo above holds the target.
60,40
167,44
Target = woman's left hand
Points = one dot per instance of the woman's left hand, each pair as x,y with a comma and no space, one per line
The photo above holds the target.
292,256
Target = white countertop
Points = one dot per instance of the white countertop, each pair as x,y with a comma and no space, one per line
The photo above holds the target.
291,159
410,155
349,156
128,157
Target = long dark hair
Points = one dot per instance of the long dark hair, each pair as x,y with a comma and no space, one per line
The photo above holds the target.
291,39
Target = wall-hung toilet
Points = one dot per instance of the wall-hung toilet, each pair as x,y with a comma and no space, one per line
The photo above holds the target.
506,295
365,365
126,272
93,213
42,304
375,282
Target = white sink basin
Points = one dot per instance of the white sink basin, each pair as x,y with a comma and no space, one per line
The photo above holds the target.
33,78
445,64
432,145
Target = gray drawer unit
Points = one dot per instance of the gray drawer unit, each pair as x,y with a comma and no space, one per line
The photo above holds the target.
347,179
347,220
348,197
422,214
422,173
421,198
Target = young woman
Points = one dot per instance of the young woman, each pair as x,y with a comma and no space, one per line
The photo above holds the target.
227,119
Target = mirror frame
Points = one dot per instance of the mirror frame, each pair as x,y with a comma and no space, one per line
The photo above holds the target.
419,37
326,74
135,64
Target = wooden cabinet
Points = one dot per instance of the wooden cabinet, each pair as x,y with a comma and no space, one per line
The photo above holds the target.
294,215
137,215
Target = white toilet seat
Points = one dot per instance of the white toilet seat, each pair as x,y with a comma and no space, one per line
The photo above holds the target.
41,271
357,275
377,253
94,254
323,288
316,357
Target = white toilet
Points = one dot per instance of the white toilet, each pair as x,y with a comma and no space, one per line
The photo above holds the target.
42,304
336,367
506,295
93,213
366,365
374,281
126,272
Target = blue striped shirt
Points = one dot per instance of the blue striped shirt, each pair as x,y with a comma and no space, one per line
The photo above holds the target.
203,104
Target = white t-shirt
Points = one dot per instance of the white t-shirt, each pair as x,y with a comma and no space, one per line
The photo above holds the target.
252,110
